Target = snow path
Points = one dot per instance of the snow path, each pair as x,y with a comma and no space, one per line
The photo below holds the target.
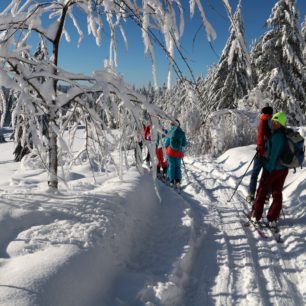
251,271
115,243
214,262
160,253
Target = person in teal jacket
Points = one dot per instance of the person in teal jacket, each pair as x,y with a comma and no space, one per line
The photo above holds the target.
274,174
175,144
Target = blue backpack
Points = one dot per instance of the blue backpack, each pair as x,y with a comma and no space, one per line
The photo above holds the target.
293,153
176,140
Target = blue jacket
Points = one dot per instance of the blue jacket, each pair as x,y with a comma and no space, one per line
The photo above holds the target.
274,147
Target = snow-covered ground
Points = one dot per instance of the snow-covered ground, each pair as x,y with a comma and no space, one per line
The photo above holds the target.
136,242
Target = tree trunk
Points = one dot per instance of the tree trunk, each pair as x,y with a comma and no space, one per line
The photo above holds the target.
52,167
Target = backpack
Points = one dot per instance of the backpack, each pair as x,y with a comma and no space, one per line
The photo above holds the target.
292,155
176,141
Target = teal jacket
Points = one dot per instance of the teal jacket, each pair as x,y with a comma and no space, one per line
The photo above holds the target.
176,132
274,147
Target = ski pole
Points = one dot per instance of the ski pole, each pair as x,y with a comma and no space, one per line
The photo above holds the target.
242,177
284,216
185,169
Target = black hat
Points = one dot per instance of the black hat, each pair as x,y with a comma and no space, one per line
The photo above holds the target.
268,110
176,122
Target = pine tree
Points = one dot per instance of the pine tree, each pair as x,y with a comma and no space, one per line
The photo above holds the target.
279,62
232,78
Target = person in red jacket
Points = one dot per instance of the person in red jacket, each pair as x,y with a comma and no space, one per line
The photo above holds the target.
147,137
161,160
263,133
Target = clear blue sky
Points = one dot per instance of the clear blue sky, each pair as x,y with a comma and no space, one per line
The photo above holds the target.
136,67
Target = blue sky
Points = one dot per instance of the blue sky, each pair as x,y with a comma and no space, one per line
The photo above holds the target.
136,67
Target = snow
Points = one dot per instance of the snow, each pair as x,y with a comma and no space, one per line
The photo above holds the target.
137,242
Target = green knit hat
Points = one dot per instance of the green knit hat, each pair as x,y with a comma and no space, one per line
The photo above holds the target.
280,117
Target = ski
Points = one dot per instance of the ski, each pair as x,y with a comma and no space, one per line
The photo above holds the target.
256,225
178,188
259,226
275,233
277,236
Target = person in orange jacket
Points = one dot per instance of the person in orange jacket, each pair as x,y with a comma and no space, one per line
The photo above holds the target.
175,144
263,133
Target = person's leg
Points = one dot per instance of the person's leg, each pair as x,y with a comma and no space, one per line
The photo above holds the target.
278,180
257,166
171,169
165,168
159,156
178,170
148,157
264,186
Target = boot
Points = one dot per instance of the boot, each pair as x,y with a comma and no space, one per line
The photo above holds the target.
250,198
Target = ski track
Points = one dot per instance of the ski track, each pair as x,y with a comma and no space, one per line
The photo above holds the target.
264,279
213,261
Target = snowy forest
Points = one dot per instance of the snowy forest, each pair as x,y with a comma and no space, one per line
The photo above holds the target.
41,101
70,138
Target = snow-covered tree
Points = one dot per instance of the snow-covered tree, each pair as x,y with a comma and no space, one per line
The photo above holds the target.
278,58
3,111
22,138
229,128
232,79
304,39
38,80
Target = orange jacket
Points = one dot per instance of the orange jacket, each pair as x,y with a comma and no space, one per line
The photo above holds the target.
262,133
173,153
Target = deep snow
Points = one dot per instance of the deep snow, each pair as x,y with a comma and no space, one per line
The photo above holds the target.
138,242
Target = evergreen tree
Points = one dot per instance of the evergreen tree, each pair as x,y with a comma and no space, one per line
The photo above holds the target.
279,61
232,79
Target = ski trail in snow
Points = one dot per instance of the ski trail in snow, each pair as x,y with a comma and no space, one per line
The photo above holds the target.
264,277
197,252
233,257
279,279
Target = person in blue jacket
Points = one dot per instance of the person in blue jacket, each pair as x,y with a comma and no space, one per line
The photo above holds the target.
175,144
274,174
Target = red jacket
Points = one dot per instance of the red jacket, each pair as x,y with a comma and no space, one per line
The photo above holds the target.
147,132
262,133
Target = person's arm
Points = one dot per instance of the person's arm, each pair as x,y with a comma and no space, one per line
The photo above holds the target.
261,132
167,142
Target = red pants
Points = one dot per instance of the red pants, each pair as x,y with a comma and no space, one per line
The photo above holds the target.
273,181
161,162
